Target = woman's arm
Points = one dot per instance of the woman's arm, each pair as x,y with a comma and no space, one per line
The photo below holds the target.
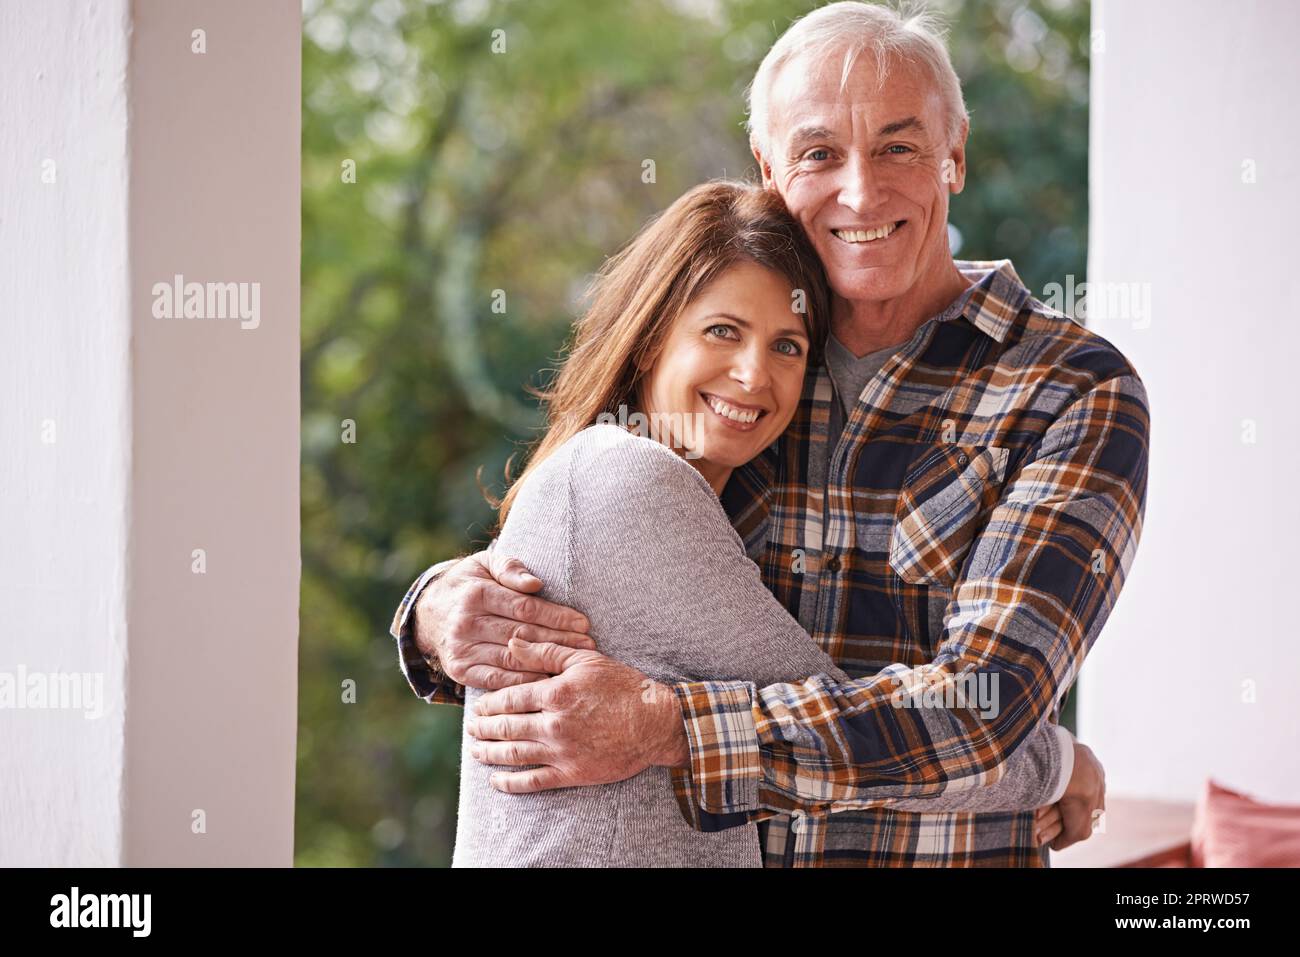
1036,774
666,583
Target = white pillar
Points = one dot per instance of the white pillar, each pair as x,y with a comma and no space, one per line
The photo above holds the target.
64,422
132,440
1194,193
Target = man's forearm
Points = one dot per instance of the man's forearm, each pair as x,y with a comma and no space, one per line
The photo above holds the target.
422,671
733,774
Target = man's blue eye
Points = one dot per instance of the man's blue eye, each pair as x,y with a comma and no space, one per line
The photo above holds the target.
899,146
813,154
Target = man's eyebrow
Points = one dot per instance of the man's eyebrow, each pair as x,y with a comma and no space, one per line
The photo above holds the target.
807,134
745,323
911,123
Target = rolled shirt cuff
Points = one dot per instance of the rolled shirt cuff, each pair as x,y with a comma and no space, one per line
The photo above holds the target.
725,759
425,677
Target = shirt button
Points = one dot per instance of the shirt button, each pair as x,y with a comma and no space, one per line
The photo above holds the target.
962,460
833,563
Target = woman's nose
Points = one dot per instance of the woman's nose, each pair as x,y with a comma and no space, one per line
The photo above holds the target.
751,372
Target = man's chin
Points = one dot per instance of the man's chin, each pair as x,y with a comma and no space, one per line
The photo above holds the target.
871,284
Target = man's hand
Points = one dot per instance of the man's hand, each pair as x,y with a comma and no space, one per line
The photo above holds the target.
467,616
596,722
1073,818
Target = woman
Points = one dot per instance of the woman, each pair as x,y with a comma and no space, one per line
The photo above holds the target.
699,334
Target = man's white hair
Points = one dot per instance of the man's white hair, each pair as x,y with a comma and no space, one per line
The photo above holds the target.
906,32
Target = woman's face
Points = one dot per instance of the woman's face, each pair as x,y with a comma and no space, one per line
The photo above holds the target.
731,370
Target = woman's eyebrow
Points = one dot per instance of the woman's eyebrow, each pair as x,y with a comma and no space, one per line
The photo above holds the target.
749,325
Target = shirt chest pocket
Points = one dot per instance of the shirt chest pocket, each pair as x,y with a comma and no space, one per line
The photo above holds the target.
940,506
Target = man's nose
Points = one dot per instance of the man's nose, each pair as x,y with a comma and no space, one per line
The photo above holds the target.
858,189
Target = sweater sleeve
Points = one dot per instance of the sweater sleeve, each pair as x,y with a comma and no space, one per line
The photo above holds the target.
667,585
1036,774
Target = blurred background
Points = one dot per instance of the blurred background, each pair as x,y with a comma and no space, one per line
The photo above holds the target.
435,172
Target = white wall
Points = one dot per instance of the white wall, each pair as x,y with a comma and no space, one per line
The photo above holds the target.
1184,93
64,420
173,434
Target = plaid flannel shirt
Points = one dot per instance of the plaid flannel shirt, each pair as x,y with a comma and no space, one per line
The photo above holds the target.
979,513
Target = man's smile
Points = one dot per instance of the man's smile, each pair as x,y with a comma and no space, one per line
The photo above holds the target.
872,236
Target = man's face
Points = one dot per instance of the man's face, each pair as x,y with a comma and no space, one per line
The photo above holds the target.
863,162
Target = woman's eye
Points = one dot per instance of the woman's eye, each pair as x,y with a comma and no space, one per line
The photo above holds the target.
789,347
721,331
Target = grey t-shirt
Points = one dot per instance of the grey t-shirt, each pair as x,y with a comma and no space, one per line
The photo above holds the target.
851,375
629,533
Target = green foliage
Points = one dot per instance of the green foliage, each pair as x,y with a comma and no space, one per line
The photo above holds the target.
519,171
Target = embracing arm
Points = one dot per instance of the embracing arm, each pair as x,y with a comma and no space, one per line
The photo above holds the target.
670,591
1040,581
1035,775
452,627
423,674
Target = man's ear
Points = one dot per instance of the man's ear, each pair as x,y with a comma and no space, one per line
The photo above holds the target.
764,167
955,164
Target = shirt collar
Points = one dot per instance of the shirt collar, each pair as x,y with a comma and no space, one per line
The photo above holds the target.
994,301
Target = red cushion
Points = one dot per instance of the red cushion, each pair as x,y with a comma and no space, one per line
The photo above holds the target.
1233,830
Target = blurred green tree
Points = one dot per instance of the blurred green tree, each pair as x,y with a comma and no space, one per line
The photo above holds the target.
467,164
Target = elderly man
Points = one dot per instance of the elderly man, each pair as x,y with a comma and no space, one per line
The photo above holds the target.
961,491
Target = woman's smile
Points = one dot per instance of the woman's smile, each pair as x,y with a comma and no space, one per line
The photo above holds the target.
734,415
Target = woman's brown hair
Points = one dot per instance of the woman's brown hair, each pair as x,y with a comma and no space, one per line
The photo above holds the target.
640,292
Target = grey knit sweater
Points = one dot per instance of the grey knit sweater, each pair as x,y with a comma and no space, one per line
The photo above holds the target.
624,530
